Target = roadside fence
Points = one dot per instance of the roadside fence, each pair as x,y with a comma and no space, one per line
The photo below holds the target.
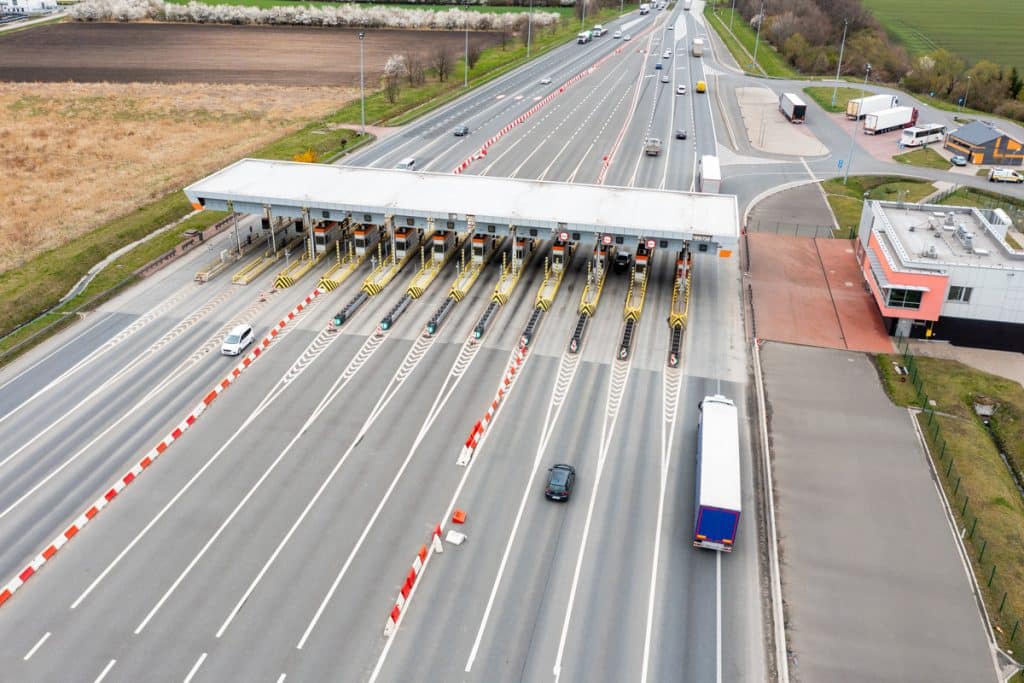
1003,614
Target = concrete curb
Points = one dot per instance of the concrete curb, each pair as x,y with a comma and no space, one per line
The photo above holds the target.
775,574
60,541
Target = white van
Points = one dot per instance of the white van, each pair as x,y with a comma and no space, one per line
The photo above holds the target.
406,164
237,340
1004,175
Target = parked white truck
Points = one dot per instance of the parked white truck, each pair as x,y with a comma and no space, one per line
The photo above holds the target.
862,106
698,47
794,108
889,119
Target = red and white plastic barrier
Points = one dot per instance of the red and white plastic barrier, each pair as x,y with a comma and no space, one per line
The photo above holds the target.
482,152
481,425
410,579
39,560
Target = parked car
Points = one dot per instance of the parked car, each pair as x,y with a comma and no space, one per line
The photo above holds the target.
461,131
958,160
680,134
680,89
1005,175
560,482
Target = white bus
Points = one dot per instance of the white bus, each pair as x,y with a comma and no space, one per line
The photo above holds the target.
923,135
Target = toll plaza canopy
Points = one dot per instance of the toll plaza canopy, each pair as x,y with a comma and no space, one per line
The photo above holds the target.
410,198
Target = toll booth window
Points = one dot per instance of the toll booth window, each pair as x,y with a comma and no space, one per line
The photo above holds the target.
360,242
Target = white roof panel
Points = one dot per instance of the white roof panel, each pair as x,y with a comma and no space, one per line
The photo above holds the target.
720,454
524,203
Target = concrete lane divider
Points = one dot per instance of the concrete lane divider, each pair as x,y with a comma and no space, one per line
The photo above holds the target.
59,542
415,572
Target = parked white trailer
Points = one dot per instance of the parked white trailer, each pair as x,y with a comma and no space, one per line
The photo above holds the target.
862,106
889,119
792,107
709,175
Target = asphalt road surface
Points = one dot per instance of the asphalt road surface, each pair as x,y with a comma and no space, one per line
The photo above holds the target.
271,541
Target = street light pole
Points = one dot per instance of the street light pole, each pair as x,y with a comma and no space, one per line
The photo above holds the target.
839,65
853,131
583,18
465,71
529,29
732,16
362,88
968,92
757,39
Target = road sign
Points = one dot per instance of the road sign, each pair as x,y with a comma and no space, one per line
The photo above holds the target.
607,239
650,244
563,236
840,163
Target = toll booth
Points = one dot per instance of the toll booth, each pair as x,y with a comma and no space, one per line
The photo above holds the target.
522,250
443,243
604,252
561,251
682,264
642,261
406,241
482,247
365,239
325,235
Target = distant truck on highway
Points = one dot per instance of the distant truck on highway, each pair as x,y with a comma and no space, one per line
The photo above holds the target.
886,120
687,4
698,47
792,107
652,147
717,503
645,8
862,106
709,175
598,31
583,37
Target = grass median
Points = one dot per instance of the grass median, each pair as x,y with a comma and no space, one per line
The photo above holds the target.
823,96
847,200
923,158
982,486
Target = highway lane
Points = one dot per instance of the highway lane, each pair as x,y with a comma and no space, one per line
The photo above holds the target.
280,607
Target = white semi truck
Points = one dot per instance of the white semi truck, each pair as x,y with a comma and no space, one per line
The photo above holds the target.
862,106
698,47
794,108
889,119
709,175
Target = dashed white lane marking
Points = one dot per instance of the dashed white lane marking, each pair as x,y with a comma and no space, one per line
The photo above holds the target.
195,668
35,647
106,670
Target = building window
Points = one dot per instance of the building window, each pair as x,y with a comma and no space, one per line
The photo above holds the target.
903,298
960,294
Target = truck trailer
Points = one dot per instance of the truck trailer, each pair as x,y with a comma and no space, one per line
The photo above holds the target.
889,119
698,47
792,107
709,175
862,106
717,503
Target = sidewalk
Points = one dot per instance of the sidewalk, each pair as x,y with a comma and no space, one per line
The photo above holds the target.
14,26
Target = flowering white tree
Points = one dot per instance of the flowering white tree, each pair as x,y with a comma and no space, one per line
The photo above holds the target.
342,14
394,70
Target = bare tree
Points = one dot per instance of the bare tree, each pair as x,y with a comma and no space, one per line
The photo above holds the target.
415,69
474,54
441,61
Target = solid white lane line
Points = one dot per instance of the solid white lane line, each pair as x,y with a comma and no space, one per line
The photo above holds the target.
220,451
106,670
546,431
195,668
667,437
444,519
607,429
35,647
718,617
435,410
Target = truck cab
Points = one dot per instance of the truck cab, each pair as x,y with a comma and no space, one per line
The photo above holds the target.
652,147
583,37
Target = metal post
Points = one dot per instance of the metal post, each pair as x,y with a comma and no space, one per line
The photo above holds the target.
968,92
732,16
583,17
465,73
839,66
362,87
757,39
529,29
853,131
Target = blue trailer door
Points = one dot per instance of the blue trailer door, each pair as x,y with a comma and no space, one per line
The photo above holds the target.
716,527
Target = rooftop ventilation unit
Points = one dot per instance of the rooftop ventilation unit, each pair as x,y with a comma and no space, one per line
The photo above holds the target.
930,252
950,218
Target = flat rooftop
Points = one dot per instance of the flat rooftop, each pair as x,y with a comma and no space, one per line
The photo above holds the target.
921,236
288,187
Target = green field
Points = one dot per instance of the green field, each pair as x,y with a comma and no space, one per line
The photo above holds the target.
982,29
564,11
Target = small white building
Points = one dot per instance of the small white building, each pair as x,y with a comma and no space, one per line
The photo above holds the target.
27,7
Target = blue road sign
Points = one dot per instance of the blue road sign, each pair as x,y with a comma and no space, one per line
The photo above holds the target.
840,163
